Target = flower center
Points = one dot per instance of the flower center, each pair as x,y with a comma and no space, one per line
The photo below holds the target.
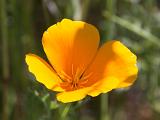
75,81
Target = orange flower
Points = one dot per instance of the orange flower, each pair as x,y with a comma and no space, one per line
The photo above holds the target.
79,67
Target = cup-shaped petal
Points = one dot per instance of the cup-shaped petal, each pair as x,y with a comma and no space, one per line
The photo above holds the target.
114,60
70,45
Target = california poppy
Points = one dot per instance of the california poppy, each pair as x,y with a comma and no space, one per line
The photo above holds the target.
79,67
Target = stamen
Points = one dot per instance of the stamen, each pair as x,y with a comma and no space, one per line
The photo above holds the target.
65,77
76,80
83,82
72,70
86,77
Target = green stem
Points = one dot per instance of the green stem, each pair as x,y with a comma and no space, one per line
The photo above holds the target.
4,30
85,8
65,111
78,9
111,8
104,107
81,9
5,57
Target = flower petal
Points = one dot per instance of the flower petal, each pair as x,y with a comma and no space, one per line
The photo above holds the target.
72,96
116,60
43,72
103,86
70,45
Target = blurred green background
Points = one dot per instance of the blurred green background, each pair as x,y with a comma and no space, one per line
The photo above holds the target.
134,22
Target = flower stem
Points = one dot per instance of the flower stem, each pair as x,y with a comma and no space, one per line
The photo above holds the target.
104,107
111,8
78,9
65,111
85,8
